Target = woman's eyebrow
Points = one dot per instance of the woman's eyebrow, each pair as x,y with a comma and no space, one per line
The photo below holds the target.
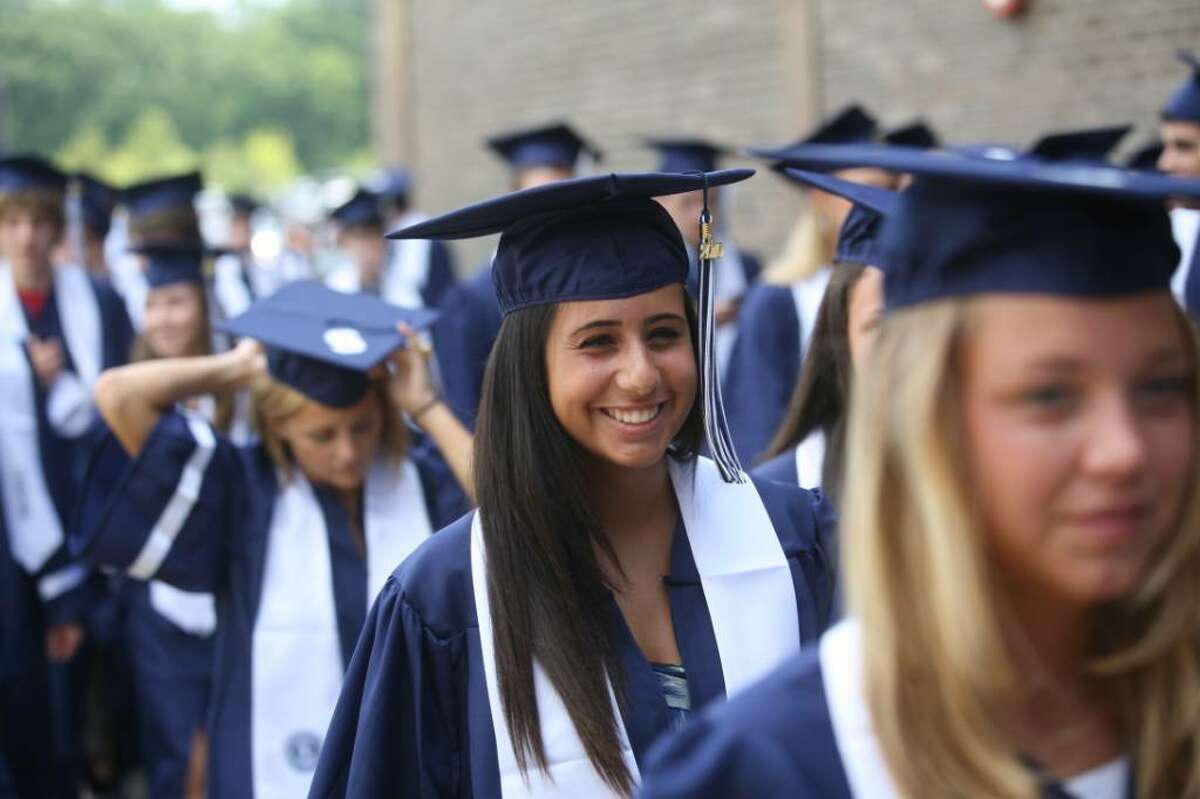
594,324
665,316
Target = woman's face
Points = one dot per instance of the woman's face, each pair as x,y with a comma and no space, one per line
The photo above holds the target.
863,313
622,374
174,319
1079,423
335,446
27,239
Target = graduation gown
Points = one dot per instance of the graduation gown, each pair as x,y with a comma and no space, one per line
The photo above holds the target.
414,719
221,547
463,338
778,739
800,465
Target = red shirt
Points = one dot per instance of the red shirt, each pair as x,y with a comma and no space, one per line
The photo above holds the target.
33,301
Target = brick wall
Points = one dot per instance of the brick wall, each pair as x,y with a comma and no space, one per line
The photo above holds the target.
755,71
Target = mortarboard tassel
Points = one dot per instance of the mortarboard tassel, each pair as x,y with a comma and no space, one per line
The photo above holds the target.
716,429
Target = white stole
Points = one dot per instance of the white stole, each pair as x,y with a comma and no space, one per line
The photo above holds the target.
296,658
810,460
807,295
35,531
741,565
1185,226
407,270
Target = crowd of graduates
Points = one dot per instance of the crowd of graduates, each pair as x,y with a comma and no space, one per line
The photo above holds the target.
918,494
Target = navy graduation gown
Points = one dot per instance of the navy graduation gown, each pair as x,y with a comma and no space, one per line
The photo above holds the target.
464,336
763,369
1191,286
441,274
414,720
221,549
776,739
780,469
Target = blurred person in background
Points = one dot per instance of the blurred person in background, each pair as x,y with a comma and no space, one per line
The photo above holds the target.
777,317
59,327
425,269
1179,129
471,315
737,270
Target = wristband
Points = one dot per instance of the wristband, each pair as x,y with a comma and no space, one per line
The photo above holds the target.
419,412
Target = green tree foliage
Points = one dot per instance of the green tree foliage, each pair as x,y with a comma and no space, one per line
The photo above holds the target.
132,88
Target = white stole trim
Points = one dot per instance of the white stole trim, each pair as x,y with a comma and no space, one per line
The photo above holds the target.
841,656
1185,227
807,295
810,460
179,506
407,270
35,531
741,564
55,584
296,651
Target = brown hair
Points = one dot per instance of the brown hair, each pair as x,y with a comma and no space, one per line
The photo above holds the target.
273,402
168,224
42,203
201,344
821,398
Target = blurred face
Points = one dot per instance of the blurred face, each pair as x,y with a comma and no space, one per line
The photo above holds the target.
685,211
1181,149
532,176
1079,427
834,209
239,232
174,321
366,247
622,375
864,312
334,446
27,240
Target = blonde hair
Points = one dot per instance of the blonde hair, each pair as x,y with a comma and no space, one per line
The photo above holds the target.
273,402
42,203
810,246
937,664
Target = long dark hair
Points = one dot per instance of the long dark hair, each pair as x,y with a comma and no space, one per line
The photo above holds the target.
822,393
548,594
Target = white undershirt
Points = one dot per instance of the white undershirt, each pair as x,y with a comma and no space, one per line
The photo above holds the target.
1106,781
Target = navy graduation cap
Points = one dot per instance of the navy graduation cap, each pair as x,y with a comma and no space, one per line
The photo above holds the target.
323,342
686,155
555,145
1184,104
917,133
393,184
361,209
1146,157
168,263
852,124
159,194
96,203
858,238
971,224
595,238
1088,144
30,172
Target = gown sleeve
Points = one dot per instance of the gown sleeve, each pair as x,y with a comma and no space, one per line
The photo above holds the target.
391,731
763,369
167,514
463,337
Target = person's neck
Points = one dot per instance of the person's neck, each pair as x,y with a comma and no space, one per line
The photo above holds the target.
1050,635
31,277
637,511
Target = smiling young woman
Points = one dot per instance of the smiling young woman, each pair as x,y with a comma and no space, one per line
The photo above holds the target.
613,581
1022,525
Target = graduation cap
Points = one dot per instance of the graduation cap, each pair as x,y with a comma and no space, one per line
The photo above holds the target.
971,224
686,155
96,203
168,263
361,209
858,238
555,145
393,184
852,124
26,172
917,133
323,342
159,194
598,238
1088,144
1145,158
1184,103
243,204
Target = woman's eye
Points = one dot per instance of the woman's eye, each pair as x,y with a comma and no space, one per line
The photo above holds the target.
664,334
1048,396
324,437
1173,387
597,342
